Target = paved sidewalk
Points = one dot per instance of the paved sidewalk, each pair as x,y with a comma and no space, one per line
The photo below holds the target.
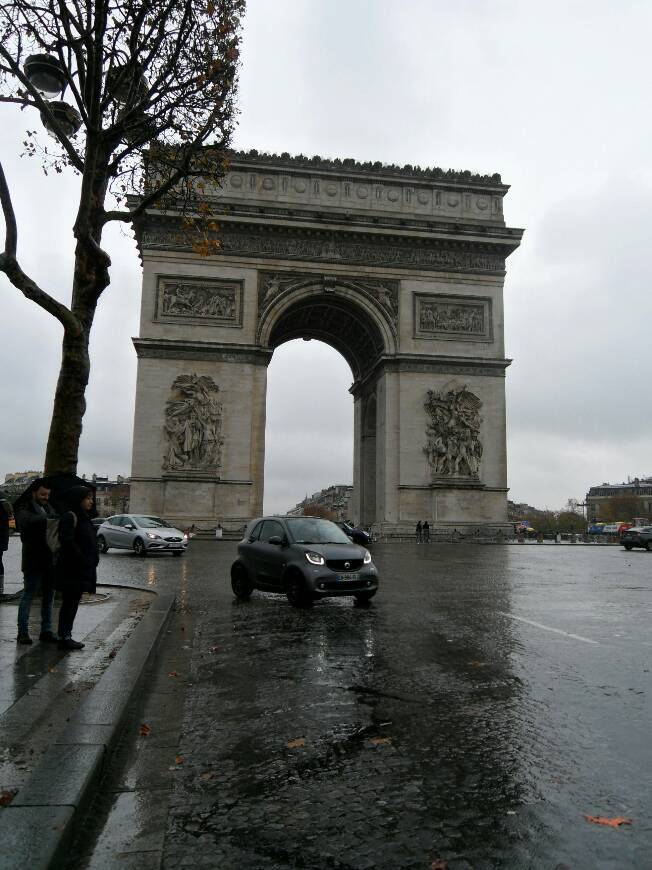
61,713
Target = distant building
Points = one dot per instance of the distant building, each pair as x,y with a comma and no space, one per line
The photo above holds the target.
517,510
111,496
17,482
336,499
641,488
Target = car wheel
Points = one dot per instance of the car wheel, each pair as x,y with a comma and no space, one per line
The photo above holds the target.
364,597
102,544
295,589
628,546
240,583
648,545
139,547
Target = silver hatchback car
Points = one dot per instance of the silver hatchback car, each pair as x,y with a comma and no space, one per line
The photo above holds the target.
142,534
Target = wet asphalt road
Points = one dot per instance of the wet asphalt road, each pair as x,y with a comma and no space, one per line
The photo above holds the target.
488,699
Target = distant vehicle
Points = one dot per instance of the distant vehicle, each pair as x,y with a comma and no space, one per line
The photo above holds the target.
595,529
637,536
358,536
305,558
97,521
611,528
142,534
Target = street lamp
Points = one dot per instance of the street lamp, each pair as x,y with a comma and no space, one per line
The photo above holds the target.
46,73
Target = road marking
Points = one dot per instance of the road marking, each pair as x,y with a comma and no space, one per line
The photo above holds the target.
549,628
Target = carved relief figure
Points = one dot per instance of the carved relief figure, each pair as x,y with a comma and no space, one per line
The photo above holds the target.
198,300
453,447
193,425
448,317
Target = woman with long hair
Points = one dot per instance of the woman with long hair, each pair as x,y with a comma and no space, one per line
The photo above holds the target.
76,562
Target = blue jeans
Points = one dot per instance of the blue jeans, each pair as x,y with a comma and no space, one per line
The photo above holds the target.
31,583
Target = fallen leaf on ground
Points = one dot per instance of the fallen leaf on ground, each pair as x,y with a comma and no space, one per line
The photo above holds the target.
179,759
209,774
173,674
295,744
611,823
6,797
381,741
144,730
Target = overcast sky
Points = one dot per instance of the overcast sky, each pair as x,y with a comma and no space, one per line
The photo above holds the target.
553,95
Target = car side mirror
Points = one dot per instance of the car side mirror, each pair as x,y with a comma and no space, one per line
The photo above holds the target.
277,540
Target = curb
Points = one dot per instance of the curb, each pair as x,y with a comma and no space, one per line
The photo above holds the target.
38,826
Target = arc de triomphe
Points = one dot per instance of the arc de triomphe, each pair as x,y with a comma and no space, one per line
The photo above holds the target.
400,270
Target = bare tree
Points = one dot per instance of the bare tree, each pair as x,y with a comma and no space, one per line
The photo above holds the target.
152,86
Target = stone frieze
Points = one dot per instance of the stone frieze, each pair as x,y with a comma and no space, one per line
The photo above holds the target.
453,447
337,248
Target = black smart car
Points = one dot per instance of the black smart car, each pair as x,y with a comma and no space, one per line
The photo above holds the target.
305,558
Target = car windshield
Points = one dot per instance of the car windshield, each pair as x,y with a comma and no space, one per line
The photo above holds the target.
151,523
310,530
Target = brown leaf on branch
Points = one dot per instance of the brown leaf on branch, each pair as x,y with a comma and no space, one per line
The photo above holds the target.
173,674
208,775
144,730
614,822
179,759
477,664
439,864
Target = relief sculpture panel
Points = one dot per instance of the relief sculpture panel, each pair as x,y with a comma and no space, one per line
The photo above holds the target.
452,317
453,447
199,301
193,425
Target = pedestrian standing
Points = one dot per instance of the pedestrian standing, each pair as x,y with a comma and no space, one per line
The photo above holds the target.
426,532
6,512
32,514
418,532
76,562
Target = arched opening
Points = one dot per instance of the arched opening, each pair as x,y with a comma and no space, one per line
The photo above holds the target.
309,423
311,437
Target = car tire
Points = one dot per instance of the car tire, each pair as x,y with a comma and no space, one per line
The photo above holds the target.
102,545
648,545
364,597
139,547
628,546
240,583
295,589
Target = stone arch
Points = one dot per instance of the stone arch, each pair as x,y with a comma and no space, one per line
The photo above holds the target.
339,313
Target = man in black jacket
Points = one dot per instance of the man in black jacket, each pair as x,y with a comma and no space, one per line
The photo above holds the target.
6,512
32,514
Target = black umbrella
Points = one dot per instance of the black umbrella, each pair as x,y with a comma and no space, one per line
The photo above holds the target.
58,484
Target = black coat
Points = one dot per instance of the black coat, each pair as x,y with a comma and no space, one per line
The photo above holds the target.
37,556
4,522
76,562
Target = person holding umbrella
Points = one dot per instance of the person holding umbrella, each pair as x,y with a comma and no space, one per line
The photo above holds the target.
33,510
75,570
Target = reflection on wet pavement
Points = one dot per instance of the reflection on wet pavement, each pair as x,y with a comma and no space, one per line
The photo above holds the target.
486,701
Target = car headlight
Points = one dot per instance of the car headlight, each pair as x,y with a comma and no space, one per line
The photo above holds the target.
314,558
367,557
153,537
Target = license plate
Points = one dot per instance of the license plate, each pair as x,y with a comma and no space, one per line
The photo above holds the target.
347,576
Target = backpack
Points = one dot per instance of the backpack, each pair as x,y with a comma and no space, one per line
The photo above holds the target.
52,533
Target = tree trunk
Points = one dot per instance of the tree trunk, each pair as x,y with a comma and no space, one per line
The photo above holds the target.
91,278
69,405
